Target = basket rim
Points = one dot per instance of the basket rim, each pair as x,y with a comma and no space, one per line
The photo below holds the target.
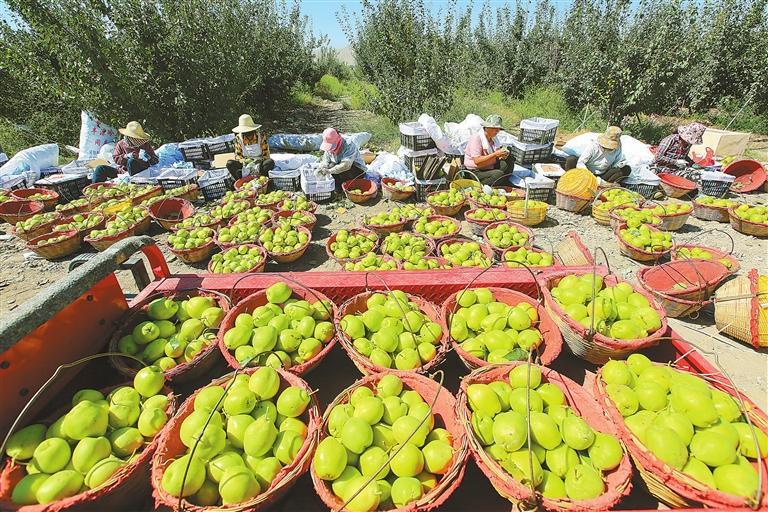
33,242
351,231
485,222
172,200
735,264
520,227
21,194
487,249
705,287
439,217
263,263
205,246
301,249
47,225
656,255
119,235
733,216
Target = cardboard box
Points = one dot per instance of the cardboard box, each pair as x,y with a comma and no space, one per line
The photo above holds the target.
722,142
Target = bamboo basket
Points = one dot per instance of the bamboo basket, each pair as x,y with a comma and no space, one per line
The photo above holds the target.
388,190
123,490
430,244
746,227
18,211
58,249
498,250
40,229
49,204
717,254
353,231
528,215
593,346
478,226
357,304
105,242
571,203
669,485
674,221
248,304
385,229
618,481
149,194
437,239
195,370
253,270
709,212
290,257
488,251
546,353
443,406
196,254
737,309
639,254
367,187
573,252
287,213
83,232
170,446
447,211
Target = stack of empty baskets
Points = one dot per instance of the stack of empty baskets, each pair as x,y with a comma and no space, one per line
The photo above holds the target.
533,146
416,146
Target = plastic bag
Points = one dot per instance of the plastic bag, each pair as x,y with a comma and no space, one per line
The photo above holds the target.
388,165
93,135
307,142
442,141
28,162
291,161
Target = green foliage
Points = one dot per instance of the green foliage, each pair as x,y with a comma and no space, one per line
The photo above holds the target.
328,63
329,87
180,67
360,94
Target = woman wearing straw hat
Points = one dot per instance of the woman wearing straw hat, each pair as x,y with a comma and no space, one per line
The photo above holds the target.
250,146
672,152
485,155
132,154
340,158
604,157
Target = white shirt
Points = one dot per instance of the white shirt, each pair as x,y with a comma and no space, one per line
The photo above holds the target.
598,159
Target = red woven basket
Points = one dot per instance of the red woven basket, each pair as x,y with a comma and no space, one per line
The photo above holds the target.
750,175
384,229
519,227
55,250
552,342
716,254
124,490
368,190
698,276
358,304
448,211
18,211
673,221
746,227
213,225
23,193
170,211
486,249
618,481
282,214
195,255
430,244
389,191
259,188
342,261
290,257
595,347
40,229
170,447
639,254
555,258
258,268
81,233
676,186
248,304
478,226
431,218
444,411
105,242
666,483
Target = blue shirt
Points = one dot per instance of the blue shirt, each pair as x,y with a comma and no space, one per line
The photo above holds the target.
349,152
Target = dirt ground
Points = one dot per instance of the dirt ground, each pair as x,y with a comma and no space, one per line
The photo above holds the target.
23,276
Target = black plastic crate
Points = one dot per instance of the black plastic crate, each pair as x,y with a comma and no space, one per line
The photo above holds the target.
217,189
426,187
540,194
195,153
217,148
537,136
417,142
172,183
415,162
715,188
320,197
644,189
68,190
286,183
527,156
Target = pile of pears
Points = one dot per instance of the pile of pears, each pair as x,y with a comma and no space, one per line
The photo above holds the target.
568,459
175,331
687,424
366,431
619,311
494,331
282,333
254,431
393,332
95,439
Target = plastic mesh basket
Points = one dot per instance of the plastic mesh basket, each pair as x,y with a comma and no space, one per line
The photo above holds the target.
175,178
194,151
644,189
288,181
215,183
219,145
526,153
538,130
413,136
426,187
715,188
69,187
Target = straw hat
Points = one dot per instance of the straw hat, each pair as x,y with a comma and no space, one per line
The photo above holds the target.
493,121
135,131
245,124
611,139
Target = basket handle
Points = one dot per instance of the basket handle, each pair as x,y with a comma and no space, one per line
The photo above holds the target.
702,233
500,177
462,172
50,381
287,278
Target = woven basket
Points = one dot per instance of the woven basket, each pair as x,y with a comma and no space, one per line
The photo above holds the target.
703,276
58,249
617,220
520,228
18,211
367,187
358,304
528,215
572,252
342,261
49,204
124,490
669,485
241,195
254,270
618,481
384,258
71,209
676,186
437,239
746,227
290,257
709,212
571,203
170,447
388,190
380,229
448,211
639,254
213,225
248,179
40,229
197,369
311,209
287,213
430,244
555,259
487,250
195,255
149,194
593,346
478,226
444,411
248,304
674,221
105,242
170,211
737,309
83,232
717,254
601,216
547,352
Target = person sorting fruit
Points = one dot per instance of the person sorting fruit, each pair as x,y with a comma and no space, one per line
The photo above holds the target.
250,147
485,155
604,157
340,158
132,154
672,152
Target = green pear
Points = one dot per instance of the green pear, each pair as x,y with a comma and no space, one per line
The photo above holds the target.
126,441
287,445
24,492
52,455
89,451
166,327
238,485
145,332
21,445
151,421
219,464
212,317
91,395
162,309
330,459
191,329
59,486
292,402
102,471
123,415
193,468
196,306
86,419
264,383
279,293
149,381
265,470
259,437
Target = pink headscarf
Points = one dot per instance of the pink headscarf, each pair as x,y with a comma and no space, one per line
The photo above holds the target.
691,133
331,140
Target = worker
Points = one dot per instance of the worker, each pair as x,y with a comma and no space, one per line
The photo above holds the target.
672,152
485,156
341,159
604,157
250,146
131,155
3,157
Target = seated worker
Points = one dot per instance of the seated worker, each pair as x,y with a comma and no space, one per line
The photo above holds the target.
340,158
604,157
132,154
250,145
484,156
672,152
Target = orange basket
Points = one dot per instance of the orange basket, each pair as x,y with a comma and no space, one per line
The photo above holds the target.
290,257
520,228
83,232
368,190
437,239
448,211
384,229
746,227
353,231
14,211
170,211
40,229
23,193
284,214
639,254
388,190
53,251
258,268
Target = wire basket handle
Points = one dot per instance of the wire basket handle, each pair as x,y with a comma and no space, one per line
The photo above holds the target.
712,230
